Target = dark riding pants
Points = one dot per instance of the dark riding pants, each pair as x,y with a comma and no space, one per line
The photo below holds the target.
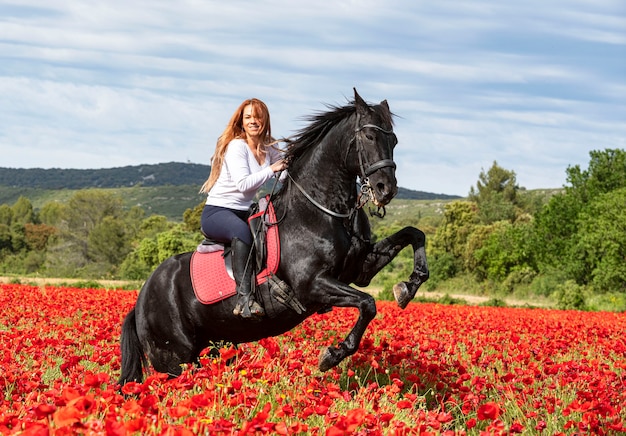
223,224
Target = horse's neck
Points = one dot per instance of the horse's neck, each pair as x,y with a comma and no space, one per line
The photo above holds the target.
323,174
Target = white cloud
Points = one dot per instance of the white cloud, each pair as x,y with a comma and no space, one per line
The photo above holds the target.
533,85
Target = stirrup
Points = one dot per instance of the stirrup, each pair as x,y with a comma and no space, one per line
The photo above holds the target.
248,308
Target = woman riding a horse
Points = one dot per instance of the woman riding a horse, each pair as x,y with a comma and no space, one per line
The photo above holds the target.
325,246
243,161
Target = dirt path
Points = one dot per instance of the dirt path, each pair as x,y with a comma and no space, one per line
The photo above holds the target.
473,300
470,299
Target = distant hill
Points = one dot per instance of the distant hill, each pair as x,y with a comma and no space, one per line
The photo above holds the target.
163,174
172,173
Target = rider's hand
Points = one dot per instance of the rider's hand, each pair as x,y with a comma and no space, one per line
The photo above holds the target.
279,165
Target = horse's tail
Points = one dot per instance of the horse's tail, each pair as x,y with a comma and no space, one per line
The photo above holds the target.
133,356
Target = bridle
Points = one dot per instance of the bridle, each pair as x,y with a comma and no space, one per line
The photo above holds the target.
366,193
366,172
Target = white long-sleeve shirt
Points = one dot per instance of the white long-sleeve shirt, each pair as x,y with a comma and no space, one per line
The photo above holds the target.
241,176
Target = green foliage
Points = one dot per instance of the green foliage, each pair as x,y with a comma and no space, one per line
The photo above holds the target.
580,230
545,283
554,226
607,302
599,252
52,213
148,252
520,275
152,226
606,172
570,296
505,249
92,237
191,218
5,238
494,302
134,267
23,211
459,220
172,173
176,241
6,215
442,266
108,241
495,195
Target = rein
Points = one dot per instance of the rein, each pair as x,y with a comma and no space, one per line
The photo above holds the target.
318,205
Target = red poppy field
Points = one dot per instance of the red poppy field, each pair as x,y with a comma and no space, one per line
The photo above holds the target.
428,369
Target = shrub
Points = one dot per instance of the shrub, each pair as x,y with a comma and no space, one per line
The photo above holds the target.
570,295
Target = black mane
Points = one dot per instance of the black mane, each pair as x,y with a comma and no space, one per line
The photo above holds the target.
320,124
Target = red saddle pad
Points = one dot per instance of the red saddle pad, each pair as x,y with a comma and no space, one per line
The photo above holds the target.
209,278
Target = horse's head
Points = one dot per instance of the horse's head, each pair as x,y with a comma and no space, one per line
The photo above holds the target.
375,142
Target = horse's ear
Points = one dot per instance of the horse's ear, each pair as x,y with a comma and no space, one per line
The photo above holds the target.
360,104
385,104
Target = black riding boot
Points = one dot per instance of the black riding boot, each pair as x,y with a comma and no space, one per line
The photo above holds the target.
243,270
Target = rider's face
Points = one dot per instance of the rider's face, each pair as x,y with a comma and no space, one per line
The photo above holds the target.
252,124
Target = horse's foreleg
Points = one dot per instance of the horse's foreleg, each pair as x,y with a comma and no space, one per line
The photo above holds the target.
386,250
334,293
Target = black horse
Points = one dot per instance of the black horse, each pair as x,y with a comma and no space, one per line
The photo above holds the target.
325,245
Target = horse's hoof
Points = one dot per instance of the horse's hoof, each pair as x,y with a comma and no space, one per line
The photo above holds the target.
326,360
401,294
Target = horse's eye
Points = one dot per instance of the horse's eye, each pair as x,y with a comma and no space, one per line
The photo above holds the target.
369,137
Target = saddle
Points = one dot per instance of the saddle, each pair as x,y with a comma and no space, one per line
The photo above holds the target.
211,268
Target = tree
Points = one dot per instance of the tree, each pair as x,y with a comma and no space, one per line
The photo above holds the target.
6,215
495,195
108,241
176,241
73,251
459,220
556,225
505,247
23,211
6,243
52,213
598,256
606,172
37,235
191,218
152,226
86,208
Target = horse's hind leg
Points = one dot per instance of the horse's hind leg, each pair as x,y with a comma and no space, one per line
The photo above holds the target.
168,353
169,362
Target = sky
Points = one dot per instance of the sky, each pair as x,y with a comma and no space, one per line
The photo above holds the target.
533,85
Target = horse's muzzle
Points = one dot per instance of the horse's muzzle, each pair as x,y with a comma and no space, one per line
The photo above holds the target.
384,188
